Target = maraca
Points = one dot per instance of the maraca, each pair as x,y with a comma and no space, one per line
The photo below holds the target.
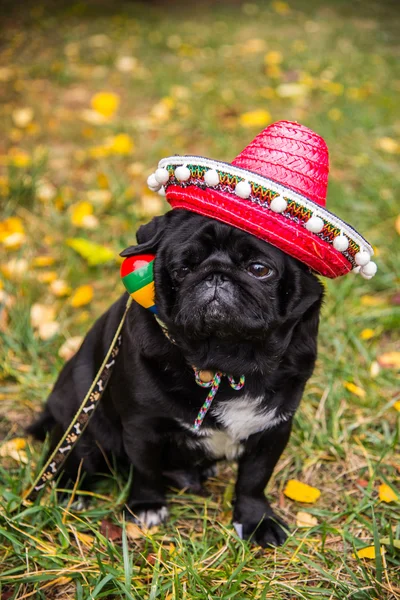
137,277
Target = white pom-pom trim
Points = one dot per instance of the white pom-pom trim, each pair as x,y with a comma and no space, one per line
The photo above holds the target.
243,189
362,258
162,176
369,270
182,173
341,243
278,205
161,191
153,184
211,177
315,225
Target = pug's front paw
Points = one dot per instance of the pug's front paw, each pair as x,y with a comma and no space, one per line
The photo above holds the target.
270,532
147,515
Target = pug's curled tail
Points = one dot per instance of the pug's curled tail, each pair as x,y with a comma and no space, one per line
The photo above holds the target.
42,426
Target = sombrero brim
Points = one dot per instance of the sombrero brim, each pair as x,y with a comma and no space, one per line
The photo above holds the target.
266,209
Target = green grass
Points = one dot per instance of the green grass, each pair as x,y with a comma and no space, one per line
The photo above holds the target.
205,61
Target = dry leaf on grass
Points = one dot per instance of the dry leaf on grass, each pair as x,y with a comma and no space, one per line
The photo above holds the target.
255,118
111,531
397,224
43,260
94,254
83,295
85,538
304,519
41,313
82,215
105,103
60,288
390,360
296,490
368,552
133,531
15,449
386,494
70,347
22,116
354,389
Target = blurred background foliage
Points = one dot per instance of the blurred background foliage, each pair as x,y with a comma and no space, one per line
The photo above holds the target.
93,94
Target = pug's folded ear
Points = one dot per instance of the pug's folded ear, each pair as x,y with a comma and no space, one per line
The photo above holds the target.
148,236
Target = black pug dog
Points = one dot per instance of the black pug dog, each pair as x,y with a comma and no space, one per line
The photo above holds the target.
232,303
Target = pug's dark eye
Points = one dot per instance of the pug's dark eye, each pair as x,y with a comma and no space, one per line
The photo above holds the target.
181,272
259,270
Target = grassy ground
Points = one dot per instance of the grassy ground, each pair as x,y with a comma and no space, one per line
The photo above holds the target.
186,76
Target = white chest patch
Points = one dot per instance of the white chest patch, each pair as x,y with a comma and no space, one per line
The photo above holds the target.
239,418
243,417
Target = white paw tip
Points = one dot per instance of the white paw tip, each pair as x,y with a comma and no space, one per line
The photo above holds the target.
152,518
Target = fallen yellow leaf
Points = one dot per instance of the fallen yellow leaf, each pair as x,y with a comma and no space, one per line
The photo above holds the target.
22,116
388,145
133,531
397,224
161,112
41,313
43,261
81,214
105,103
70,347
85,538
48,330
255,118
82,295
15,268
274,57
367,334
304,519
60,288
386,494
280,7
301,492
14,449
47,276
390,360
121,144
292,90
372,300
354,389
9,227
19,158
368,552
93,253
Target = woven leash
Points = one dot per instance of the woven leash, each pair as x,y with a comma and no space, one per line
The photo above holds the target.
89,404
81,418
214,385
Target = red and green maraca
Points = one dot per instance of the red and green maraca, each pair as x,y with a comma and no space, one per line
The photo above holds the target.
138,278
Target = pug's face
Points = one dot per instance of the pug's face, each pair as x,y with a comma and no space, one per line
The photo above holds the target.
223,293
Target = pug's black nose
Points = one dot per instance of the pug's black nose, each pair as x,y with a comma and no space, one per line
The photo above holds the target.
216,279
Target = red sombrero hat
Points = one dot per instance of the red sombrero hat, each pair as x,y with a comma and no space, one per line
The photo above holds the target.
276,190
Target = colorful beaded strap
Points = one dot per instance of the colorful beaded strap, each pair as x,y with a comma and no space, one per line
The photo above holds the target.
270,195
214,384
